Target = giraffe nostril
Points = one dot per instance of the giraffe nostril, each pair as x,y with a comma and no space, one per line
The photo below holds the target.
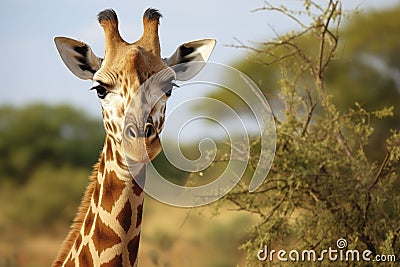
130,132
149,130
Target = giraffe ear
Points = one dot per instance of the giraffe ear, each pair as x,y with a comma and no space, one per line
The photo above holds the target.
189,58
78,57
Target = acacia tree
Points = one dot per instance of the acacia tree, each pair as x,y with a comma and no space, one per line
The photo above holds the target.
322,185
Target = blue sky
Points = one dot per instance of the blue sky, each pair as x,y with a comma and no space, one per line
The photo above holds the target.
32,71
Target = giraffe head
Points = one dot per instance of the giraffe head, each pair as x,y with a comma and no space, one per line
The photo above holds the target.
133,110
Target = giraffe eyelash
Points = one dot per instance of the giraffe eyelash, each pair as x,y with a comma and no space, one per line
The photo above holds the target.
169,92
102,92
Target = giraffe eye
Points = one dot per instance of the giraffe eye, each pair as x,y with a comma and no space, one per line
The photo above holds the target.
101,91
169,88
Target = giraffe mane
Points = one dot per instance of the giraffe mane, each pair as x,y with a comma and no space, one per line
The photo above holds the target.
79,217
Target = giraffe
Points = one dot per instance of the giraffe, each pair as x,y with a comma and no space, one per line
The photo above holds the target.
106,229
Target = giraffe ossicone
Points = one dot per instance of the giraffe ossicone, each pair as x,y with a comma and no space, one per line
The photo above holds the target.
106,229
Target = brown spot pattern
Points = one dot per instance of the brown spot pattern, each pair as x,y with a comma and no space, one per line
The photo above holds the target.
78,242
88,222
96,194
121,161
114,125
138,182
115,262
70,262
139,215
125,216
121,111
112,190
109,150
107,126
105,114
101,165
85,258
104,237
136,189
133,247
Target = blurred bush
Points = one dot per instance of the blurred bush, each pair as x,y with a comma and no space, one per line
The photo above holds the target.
50,198
39,134
46,156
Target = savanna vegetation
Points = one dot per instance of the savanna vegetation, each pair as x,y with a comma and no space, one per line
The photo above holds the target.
47,156
334,89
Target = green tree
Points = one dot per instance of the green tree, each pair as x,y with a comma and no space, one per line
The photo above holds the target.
367,70
46,156
365,67
323,184
39,134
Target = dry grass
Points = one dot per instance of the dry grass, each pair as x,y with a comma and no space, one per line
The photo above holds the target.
170,237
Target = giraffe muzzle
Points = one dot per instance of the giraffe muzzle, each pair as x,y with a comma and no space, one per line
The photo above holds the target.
141,145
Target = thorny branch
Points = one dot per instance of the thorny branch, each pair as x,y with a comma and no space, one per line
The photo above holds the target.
282,10
380,170
324,31
328,41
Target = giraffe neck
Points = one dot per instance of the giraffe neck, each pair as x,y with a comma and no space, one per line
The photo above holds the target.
106,231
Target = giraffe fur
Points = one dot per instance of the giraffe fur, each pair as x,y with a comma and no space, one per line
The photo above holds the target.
106,229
